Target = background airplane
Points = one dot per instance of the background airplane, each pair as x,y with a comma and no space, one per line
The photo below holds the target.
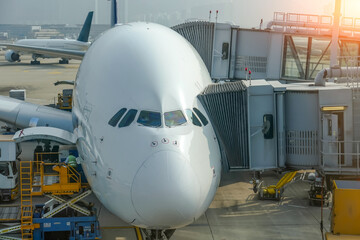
37,46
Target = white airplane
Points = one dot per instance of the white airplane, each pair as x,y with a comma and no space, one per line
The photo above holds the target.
36,46
144,139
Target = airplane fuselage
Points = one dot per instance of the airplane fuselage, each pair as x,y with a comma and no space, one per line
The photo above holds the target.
67,44
145,141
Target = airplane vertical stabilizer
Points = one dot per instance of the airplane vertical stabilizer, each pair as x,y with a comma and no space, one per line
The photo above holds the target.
84,34
113,19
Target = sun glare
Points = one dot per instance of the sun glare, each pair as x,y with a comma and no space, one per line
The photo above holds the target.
352,8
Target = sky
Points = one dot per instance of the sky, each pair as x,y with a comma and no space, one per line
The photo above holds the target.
244,13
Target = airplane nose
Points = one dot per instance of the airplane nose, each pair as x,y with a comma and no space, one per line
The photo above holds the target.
165,191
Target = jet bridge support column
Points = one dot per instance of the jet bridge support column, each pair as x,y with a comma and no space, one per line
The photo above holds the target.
280,121
335,34
308,58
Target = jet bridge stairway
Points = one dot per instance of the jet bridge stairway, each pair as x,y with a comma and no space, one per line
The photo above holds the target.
54,180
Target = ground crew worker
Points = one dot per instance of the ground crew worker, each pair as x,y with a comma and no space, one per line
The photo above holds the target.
71,160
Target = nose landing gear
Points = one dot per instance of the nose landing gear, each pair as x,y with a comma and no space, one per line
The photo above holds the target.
158,234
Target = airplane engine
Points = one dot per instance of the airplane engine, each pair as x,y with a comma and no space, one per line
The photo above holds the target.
12,56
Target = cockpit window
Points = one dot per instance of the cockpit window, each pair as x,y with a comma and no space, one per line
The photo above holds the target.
116,118
150,119
193,118
201,116
174,118
128,118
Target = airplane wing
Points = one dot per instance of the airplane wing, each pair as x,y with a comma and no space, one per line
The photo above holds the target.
53,52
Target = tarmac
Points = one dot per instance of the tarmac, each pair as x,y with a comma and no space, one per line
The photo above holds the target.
235,213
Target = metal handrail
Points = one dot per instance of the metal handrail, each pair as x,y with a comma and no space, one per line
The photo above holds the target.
72,173
340,167
72,176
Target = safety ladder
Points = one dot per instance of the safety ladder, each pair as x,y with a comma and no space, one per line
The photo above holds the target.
26,199
32,183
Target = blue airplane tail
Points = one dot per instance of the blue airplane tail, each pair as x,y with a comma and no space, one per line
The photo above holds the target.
84,34
113,19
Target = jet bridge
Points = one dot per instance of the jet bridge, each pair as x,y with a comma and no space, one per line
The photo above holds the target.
268,124
228,108
271,125
246,136
292,47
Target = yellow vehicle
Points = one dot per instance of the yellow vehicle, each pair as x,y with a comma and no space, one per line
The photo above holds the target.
274,192
345,215
65,100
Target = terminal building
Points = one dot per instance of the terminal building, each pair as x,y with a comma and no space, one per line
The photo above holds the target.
47,31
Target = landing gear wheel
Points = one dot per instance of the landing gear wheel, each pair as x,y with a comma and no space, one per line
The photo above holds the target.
64,61
35,62
158,234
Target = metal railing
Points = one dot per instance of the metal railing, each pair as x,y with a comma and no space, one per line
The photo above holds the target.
352,65
340,156
318,19
46,169
68,179
314,24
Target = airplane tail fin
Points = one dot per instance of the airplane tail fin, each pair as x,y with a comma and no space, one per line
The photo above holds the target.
113,19
84,34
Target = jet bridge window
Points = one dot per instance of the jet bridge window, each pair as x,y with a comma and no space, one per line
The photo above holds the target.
150,119
201,116
116,118
192,117
128,118
174,118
